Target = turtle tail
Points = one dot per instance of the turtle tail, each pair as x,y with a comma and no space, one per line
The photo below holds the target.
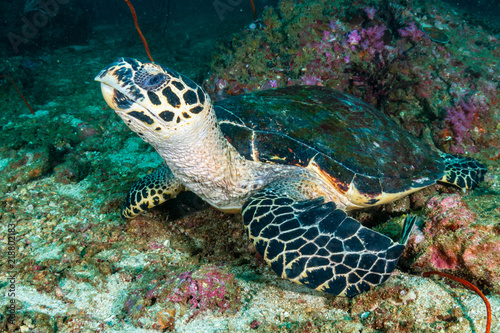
464,172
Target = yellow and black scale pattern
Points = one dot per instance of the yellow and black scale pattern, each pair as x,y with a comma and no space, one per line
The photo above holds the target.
315,244
464,172
151,191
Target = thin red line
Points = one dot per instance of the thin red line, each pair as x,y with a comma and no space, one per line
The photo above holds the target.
253,10
19,92
139,30
473,288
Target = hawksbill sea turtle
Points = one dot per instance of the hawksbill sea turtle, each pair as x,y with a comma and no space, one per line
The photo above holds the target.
292,160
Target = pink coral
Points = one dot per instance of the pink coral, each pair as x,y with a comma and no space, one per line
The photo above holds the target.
482,259
448,213
461,118
374,34
412,32
310,80
444,257
207,288
373,41
370,12
354,38
454,242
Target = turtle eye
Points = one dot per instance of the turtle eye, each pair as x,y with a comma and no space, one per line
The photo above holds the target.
149,82
155,80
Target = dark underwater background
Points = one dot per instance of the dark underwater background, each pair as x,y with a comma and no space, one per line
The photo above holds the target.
71,264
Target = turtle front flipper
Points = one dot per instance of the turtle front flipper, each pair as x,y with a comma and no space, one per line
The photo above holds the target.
151,191
464,172
316,244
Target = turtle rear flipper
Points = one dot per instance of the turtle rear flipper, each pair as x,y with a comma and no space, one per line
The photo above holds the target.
464,172
151,191
316,244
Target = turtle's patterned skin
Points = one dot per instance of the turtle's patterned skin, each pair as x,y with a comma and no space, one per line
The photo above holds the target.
313,243
151,191
291,160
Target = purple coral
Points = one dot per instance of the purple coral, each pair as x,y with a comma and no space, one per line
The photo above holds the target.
310,80
461,118
373,41
412,32
354,38
370,12
208,288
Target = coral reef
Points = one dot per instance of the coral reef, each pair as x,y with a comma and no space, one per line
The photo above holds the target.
452,241
462,118
186,267
391,54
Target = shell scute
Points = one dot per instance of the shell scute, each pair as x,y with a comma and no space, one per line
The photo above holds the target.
347,139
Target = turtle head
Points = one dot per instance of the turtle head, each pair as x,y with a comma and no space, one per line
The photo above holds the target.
154,101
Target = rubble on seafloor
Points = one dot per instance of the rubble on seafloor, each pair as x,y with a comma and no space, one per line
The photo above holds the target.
186,267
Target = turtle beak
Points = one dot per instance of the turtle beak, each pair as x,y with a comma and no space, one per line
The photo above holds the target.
109,93
115,80
105,72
